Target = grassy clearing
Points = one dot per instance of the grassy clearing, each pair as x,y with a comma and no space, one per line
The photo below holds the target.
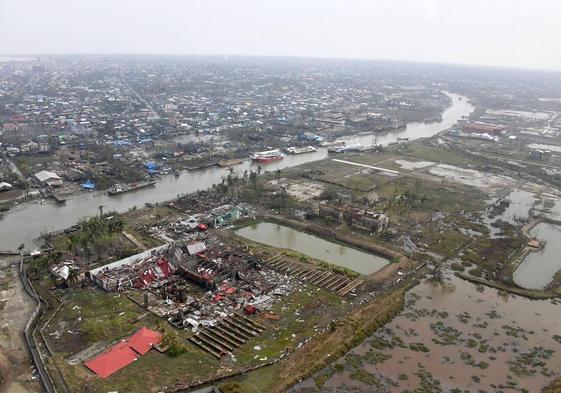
421,151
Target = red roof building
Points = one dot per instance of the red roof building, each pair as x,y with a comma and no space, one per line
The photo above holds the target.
481,128
124,353
144,339
112,360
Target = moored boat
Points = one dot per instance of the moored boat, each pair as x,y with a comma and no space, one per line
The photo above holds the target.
346,148
122,188
333,144
301,150
226,163
267,156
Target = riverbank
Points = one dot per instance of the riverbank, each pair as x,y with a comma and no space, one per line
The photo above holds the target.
353,241
527,293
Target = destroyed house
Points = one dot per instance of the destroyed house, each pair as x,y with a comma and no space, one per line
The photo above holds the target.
214,266
356,217
138,271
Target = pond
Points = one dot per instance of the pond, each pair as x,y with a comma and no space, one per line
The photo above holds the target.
539,267
284,237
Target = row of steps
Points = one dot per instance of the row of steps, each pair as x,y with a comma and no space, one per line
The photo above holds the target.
225,337
326,279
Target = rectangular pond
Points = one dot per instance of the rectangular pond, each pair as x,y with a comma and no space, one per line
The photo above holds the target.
539,267
284,237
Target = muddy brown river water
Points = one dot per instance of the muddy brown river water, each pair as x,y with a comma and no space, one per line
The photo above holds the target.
454,335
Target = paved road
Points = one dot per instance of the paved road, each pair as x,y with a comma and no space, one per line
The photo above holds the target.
28,332
154,114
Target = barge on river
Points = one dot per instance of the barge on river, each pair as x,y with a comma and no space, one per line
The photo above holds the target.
122,188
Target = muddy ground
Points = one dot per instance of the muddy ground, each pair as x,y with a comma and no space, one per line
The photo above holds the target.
16,370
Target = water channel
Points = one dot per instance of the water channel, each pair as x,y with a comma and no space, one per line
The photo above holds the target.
284,237
26,222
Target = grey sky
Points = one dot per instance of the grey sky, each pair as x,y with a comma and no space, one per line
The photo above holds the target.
517,33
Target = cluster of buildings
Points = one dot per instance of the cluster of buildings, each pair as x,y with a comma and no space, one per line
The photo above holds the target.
86,111
207,288
354,217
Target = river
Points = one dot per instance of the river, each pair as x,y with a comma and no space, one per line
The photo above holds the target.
280,236
26,222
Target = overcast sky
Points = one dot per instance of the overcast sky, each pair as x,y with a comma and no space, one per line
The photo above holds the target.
516,33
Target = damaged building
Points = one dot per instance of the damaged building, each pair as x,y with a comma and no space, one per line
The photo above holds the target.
209,289
354,217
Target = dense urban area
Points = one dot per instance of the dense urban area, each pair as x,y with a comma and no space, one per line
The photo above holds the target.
253,225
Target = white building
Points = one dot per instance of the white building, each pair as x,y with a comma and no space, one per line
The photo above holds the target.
48,178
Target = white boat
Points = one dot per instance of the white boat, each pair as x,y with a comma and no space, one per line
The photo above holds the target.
267,156
346,148
301,150
333,144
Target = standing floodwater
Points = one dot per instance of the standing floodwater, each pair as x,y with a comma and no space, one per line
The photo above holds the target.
539,267
280,236
453,335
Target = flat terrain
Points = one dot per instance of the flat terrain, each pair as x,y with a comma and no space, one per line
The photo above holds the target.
15,307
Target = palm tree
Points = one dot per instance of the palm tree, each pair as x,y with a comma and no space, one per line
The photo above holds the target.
70,245
73,276
259,170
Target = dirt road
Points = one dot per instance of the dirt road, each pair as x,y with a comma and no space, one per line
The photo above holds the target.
15,309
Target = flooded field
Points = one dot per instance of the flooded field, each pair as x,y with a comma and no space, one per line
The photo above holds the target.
520,203
469,177
412,165
539,267
280,236
453,337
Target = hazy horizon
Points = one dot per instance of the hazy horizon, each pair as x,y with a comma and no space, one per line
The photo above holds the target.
512,34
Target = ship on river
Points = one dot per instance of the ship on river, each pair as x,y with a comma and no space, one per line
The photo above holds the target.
267,156
346,148
300,150
122,188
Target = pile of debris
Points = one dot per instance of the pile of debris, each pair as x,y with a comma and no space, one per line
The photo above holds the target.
138,271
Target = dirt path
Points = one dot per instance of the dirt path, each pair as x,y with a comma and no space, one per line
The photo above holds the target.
15,308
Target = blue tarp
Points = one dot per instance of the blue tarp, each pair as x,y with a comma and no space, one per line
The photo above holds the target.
88,185
150,166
